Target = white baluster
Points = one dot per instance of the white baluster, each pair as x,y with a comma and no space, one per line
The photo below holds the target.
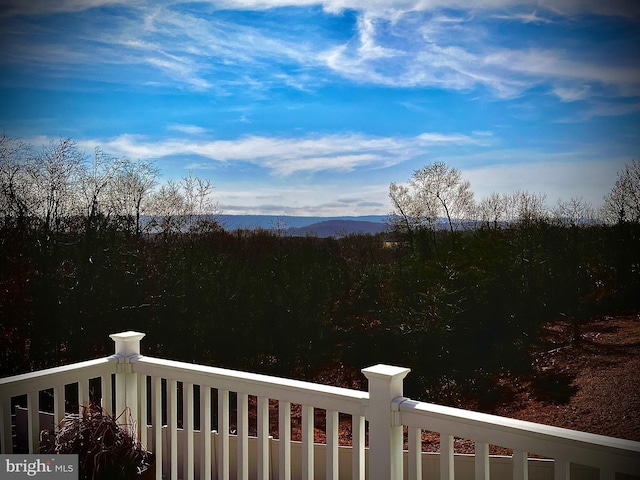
482,461
188,420
332,444
607,474
172,421
520,465
83,395
58,403
307,442
415,453
446,457
107,394
223,434
358,444
284,432
561,470
156,420
263,439
33,421
205,431
243,436
142,409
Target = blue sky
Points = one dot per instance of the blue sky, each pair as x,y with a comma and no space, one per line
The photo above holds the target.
303,107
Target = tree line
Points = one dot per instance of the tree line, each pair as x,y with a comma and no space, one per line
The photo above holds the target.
463,307
439,191
55,188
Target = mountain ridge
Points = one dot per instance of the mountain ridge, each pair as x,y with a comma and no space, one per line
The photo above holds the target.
338,227
287,222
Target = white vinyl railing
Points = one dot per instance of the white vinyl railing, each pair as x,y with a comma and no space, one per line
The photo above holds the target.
609,455
263,388
175,395
54,379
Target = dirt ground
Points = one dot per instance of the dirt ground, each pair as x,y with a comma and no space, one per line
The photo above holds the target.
600,378
592,385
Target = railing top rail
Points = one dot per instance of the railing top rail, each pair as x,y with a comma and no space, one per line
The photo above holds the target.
321,396
537,438
66,374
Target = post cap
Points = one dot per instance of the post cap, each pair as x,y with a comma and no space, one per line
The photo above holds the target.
127,343
381,371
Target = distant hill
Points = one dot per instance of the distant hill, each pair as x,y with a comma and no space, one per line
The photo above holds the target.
335,228
315,226
303,226
286,222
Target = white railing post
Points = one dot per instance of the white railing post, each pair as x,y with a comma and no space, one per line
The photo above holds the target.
385,429
127,348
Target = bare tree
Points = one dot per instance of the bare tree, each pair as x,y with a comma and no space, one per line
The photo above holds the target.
14,180
511,205
527,208
169,208
444,191
130,190
492,210
622,203
197,192
574,212
408,214
55,173
96,178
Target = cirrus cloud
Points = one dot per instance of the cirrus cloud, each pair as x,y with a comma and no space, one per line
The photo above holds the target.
289,155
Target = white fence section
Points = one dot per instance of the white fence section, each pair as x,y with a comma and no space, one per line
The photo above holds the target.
169,399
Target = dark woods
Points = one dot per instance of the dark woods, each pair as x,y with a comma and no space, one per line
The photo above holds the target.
461,307
308,307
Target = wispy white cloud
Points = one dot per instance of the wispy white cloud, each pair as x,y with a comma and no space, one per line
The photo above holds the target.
380,7
572,93
602,108
304,200
188,129
612,109
531,17
200,51
44,7
430,55
559,177
403,43
554,64
181,69
390,8
287,156
195,50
